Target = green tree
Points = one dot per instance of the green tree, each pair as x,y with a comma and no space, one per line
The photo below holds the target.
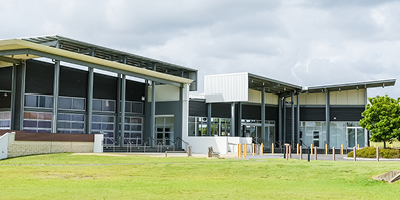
382,118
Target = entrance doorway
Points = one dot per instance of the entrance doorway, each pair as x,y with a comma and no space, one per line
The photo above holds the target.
355,136
254,130
165,131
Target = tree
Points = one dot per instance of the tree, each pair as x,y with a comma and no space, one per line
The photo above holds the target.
382,118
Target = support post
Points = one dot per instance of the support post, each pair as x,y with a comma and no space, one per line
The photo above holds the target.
233,119
292,121
13,95
123,97
89,100
56,86
209,119
284,120
327,118
239,125
153,108
262,113
298,117
22,97
280,122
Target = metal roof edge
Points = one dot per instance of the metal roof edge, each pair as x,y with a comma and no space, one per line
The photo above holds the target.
276,81
365,84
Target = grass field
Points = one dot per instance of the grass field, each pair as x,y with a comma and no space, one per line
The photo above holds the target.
69,176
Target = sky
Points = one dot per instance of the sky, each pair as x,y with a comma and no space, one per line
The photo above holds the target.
305,43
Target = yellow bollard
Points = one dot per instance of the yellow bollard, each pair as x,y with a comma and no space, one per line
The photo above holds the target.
262,149
326,149
311,149
358,146
392,146
374,145
273,148
238,149
297,148
253,149
341,149
245,151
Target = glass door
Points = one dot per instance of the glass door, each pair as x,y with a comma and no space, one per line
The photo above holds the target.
355,136
165,130
316,138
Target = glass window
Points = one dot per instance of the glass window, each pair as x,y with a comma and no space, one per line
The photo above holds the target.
108,105
105,125
137,107
37,122
96,105
31,101
64,102
78,104
128,106
71,123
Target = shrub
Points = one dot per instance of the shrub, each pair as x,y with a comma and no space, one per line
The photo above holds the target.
370,152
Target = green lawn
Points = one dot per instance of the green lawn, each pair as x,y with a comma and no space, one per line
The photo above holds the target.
141,177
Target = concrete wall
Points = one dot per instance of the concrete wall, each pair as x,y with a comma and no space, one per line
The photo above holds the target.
164,93
4,146
23,148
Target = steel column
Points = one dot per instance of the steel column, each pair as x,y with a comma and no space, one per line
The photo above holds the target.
240,132
366,102
13,94
327,118
123,97
89,101
298,117
292,121
56,87
262,112
153,107
280,121
209,119
232,119
22,96
284,120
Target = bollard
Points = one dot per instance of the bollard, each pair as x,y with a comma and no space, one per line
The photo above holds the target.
377,154
311,149
333,153
262,148
189,151
273,148
354,153
165,153
316,153
287,151
290,151
326,149
238,149
301,152
341,149
297,148
245,151
358,146
253,149
392,146
375,145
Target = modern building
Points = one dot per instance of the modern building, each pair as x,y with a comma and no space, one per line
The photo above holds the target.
53,84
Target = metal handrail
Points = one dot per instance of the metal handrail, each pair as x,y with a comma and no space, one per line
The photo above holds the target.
186,143
128,145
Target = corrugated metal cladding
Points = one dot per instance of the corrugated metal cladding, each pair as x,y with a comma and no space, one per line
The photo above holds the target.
39,77
5,78
346,113
221,110
254,112
198,109
73,82
233,87
311,114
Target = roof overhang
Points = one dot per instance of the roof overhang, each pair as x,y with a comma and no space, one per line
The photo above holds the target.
350,86
16,50
279,88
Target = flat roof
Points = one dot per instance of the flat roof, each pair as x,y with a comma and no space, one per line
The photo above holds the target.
14,50
351,86
271,85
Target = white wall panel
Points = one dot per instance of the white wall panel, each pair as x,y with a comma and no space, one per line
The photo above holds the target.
165,93
232,87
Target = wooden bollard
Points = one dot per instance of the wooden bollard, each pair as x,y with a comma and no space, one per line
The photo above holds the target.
354,153
290,151
287,151
377,154
301,152
262,148
333,153
315,153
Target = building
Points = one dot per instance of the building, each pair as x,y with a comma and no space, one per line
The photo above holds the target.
53,84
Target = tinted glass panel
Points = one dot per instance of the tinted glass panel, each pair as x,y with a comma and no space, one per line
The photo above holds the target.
31,101
97,105
44,124
77,118
64,103
32,124
78,104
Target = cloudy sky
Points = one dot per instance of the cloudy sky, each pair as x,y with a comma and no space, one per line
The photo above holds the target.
301,42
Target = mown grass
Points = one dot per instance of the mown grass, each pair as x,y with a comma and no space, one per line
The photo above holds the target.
190,178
